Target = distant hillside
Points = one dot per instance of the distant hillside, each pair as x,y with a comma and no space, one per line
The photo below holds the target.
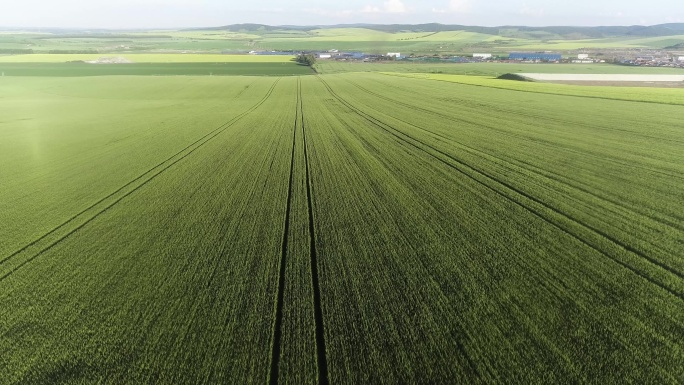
556,32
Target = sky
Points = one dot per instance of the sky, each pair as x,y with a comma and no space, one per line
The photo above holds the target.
154,14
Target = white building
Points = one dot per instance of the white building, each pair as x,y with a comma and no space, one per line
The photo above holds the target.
681,58
482,56
583,56
394,54
324,56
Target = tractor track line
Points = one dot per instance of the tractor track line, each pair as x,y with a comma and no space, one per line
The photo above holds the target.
322,362
507,133
477,152
204,140
559,120
539,171
278,324
403,137
605,235
141,176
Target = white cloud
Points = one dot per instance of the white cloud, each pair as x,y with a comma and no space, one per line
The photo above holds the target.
455,6
370,9
390,6
526,10
395,6
328,13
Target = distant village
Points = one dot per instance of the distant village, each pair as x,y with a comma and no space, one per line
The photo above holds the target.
630,58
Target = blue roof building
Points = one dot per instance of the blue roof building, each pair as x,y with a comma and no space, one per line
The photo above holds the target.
534,56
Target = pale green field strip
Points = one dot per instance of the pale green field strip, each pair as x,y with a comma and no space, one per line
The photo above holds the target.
637,94
624,42
148,58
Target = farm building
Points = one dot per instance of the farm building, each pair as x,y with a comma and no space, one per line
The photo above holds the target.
681,58
534,56
482,56
394,54
324,56
583,58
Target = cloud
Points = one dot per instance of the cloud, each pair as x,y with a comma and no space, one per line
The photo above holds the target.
526,10
329,13
370,9
390,6
455,6
395,6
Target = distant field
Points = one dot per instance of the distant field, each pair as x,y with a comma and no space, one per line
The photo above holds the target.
448,41
355,39
486,69
148,58
665,96
154,69
345,229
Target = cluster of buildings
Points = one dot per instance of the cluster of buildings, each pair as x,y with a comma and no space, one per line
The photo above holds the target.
476,57
652,59
655,61
334,54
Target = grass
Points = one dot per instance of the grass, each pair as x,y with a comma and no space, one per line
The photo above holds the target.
154,69
350,228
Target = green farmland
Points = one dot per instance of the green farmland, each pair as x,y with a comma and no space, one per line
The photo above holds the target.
149,58
74,65
153,69
355,228
377,39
